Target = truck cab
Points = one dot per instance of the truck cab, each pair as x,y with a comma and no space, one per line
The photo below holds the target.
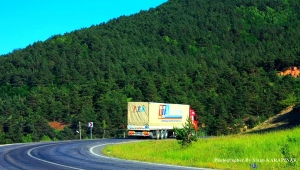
194,118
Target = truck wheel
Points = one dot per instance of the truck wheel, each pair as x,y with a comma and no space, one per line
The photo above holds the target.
162,134
151,135
166,133
157,134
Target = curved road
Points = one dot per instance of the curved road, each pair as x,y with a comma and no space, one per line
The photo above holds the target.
68,155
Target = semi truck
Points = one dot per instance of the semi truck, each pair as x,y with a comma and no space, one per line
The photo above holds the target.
157,120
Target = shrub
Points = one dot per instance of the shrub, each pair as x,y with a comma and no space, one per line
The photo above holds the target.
45,138
186,135
27,138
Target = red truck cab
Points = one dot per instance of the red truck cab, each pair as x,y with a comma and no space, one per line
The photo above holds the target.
194,118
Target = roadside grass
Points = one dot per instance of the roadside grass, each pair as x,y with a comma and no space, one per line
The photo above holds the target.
273,150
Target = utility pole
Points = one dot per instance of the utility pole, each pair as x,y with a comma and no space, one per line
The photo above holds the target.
79,131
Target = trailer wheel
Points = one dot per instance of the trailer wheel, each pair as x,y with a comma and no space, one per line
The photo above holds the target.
157,134
162,134
166,134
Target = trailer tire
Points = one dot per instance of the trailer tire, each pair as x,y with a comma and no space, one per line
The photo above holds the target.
157,134
162,134
166,134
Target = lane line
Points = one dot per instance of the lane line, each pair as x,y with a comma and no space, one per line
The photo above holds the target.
53,163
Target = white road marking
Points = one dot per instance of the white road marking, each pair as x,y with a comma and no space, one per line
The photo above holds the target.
29,154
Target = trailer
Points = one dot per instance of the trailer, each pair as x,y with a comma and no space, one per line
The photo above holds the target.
157,120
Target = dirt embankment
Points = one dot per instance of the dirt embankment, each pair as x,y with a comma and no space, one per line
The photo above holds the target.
288,118
293,71
57,125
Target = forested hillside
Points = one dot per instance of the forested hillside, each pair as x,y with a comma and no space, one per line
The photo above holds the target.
221,57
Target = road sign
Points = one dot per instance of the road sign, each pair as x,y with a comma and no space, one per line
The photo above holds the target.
91,124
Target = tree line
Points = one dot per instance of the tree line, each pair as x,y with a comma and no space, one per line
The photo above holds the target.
221,57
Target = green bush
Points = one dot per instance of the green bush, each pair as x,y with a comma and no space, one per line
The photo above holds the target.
27,138
45,138
186,135
287,152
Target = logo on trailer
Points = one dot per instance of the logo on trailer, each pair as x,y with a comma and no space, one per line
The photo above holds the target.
138,109
165,112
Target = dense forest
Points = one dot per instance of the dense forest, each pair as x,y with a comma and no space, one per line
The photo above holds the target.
221,57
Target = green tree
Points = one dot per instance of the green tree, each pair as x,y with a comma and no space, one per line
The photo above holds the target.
186,135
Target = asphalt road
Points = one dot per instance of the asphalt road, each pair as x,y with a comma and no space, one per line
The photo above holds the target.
67,155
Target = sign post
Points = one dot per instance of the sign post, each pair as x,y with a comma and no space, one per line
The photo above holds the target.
91,124
79,131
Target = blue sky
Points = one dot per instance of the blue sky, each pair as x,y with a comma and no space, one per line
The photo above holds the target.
23,22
